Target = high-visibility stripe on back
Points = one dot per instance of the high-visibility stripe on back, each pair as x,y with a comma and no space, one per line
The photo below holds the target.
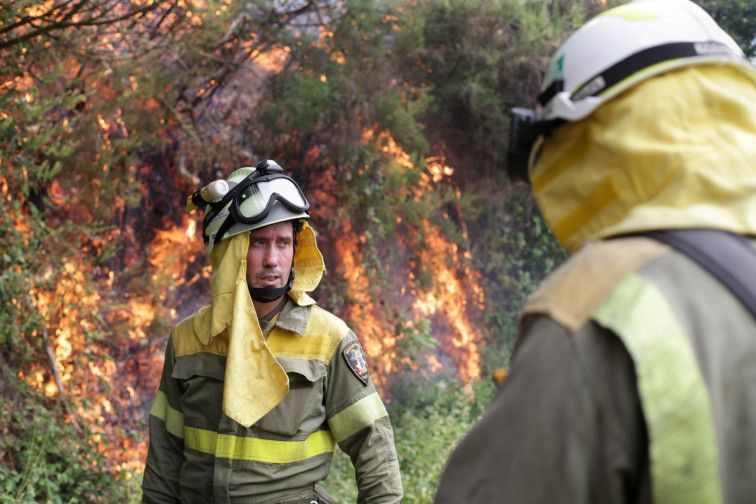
258,450
676,404
357,416
173,419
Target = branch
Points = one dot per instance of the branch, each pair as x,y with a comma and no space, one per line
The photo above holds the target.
54,366
61,23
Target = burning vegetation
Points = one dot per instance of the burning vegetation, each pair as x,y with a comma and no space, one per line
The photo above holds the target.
111,115
105,339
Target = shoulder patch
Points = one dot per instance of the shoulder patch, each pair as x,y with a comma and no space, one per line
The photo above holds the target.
355,358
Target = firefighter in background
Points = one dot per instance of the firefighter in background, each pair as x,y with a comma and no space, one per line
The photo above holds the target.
259,386
633,379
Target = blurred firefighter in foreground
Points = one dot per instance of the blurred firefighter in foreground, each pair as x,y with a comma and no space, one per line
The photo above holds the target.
259,386
633,379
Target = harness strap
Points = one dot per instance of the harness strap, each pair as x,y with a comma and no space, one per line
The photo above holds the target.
727,256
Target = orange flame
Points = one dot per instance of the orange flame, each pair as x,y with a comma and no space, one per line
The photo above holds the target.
453,295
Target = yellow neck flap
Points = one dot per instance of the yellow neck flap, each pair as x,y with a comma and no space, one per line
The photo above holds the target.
676,151
255,382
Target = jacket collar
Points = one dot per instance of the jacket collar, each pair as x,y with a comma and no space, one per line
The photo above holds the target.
292,318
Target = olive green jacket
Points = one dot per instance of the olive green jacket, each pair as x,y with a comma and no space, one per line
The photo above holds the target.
633,381
199,455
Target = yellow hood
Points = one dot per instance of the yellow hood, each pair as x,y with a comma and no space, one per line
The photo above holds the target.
677,151
254,383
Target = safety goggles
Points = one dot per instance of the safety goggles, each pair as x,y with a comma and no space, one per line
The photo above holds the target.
255,196
524,131
252,199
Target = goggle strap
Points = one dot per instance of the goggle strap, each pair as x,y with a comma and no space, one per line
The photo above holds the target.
267,294
225,226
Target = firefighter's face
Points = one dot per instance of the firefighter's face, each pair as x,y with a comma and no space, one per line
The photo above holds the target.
270,254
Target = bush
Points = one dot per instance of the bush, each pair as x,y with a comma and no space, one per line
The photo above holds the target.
46,459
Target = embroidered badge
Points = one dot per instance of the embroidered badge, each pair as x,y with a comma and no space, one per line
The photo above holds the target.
355,357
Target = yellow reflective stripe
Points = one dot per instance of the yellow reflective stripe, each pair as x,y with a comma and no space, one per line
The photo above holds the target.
676,405
357,416
200,439
258,450
631,13
173,419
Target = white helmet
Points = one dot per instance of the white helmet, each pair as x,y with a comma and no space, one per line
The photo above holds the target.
256,197
613,52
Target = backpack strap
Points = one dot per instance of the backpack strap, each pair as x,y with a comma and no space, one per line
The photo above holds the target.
727,256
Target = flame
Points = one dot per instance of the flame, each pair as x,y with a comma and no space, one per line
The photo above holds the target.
111,383
272,60
40,9
448,303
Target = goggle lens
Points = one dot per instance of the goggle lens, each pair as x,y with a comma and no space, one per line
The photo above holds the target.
254,202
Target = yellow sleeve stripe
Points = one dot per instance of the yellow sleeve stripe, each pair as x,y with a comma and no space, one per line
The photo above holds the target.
173,419
357,416
258,450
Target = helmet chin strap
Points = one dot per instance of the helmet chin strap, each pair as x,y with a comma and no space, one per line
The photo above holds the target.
268,294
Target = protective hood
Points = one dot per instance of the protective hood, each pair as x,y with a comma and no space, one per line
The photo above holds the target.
676,151
254,382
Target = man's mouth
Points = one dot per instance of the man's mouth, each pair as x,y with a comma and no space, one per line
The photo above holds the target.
269,280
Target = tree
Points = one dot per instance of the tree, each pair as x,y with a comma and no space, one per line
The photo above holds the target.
738,18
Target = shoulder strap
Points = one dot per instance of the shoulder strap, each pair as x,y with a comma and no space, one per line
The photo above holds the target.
727,256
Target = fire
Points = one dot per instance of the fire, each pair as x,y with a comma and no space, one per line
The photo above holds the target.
272,60
107,382
448,302
105,346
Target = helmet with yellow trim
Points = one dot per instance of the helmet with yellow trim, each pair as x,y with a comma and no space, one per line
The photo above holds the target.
608,55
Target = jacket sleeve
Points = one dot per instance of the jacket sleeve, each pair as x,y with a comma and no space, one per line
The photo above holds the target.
360,424
166,449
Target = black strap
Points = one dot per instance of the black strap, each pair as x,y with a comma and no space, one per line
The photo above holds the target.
727,256
637,62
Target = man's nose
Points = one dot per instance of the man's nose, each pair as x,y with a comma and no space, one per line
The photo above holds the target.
271,256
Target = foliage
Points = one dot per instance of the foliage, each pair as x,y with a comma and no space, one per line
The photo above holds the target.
485,58
738,18
44,459
515,250
111,117
27,21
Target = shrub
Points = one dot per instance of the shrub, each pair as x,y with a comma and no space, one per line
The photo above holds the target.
46,459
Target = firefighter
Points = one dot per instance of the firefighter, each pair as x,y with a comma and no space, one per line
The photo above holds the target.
633,378
258,387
